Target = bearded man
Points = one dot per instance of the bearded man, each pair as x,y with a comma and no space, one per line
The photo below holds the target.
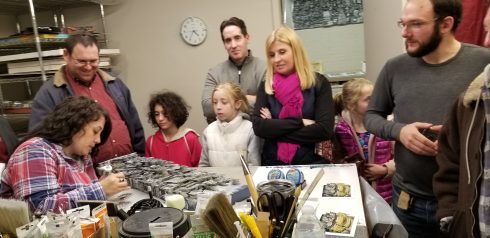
419,87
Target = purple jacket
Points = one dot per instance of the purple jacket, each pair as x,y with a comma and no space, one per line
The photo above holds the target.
380,151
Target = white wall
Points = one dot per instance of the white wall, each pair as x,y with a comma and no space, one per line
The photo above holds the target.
382,36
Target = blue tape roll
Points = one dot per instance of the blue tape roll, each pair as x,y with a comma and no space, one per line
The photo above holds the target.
295,176
275,174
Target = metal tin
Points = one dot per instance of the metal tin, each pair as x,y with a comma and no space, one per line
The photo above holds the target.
283,186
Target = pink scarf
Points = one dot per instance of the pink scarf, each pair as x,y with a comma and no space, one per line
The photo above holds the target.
288,92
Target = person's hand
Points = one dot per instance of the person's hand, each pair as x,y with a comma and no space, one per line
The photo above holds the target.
436,129
265,113
113,183
412,138
374,172
307,122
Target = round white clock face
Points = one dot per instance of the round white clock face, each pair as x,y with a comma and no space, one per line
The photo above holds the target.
193,31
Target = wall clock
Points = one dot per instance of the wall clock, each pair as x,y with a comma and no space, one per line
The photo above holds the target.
193,31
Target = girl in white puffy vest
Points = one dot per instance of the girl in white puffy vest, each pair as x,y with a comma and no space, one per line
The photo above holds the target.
231,134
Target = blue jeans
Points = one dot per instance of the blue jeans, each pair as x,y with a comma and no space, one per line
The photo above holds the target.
419,219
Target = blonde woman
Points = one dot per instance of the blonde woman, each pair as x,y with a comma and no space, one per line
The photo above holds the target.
294,107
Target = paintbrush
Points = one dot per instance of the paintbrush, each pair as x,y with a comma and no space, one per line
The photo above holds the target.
220,217
13,214
248,178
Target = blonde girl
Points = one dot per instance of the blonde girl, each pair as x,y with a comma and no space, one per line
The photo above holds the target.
231,134
353,137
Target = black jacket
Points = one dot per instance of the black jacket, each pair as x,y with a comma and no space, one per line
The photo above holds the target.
318,106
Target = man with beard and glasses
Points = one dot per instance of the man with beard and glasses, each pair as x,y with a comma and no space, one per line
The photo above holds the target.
418,88
241,67
462,182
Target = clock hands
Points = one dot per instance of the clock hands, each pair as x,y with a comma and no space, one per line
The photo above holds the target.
193,32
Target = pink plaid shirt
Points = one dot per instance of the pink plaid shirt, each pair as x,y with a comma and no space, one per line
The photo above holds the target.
39,172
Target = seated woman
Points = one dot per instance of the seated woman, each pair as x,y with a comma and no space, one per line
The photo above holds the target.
52,168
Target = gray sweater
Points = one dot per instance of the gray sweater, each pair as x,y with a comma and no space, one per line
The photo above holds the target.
249,76
415,91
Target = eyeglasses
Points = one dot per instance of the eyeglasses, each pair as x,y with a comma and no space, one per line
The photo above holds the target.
93,63
415,24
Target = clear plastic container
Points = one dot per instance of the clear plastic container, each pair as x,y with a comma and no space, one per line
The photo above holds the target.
309,225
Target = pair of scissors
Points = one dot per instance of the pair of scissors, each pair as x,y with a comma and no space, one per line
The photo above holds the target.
274,203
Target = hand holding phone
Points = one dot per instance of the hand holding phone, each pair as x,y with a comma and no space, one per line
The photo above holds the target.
429,134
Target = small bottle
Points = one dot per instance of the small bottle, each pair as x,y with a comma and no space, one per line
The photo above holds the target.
308,224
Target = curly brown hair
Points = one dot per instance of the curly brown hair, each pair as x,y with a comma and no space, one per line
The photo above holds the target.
68,118
176,109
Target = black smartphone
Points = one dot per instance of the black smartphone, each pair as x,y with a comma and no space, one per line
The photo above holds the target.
429,134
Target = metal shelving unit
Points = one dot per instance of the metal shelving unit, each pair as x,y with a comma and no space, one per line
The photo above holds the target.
32,81
17,7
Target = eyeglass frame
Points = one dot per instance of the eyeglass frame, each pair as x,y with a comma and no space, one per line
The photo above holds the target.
415,24
93,63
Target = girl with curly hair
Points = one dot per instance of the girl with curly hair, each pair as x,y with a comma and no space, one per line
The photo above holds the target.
168,112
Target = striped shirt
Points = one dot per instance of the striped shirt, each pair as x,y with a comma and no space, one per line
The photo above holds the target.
40,173
484,200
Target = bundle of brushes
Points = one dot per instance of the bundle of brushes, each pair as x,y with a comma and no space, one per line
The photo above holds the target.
13,214
219,216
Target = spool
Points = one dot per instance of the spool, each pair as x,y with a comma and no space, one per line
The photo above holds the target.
275,174
295,176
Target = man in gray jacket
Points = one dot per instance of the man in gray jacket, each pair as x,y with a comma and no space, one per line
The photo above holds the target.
241,67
